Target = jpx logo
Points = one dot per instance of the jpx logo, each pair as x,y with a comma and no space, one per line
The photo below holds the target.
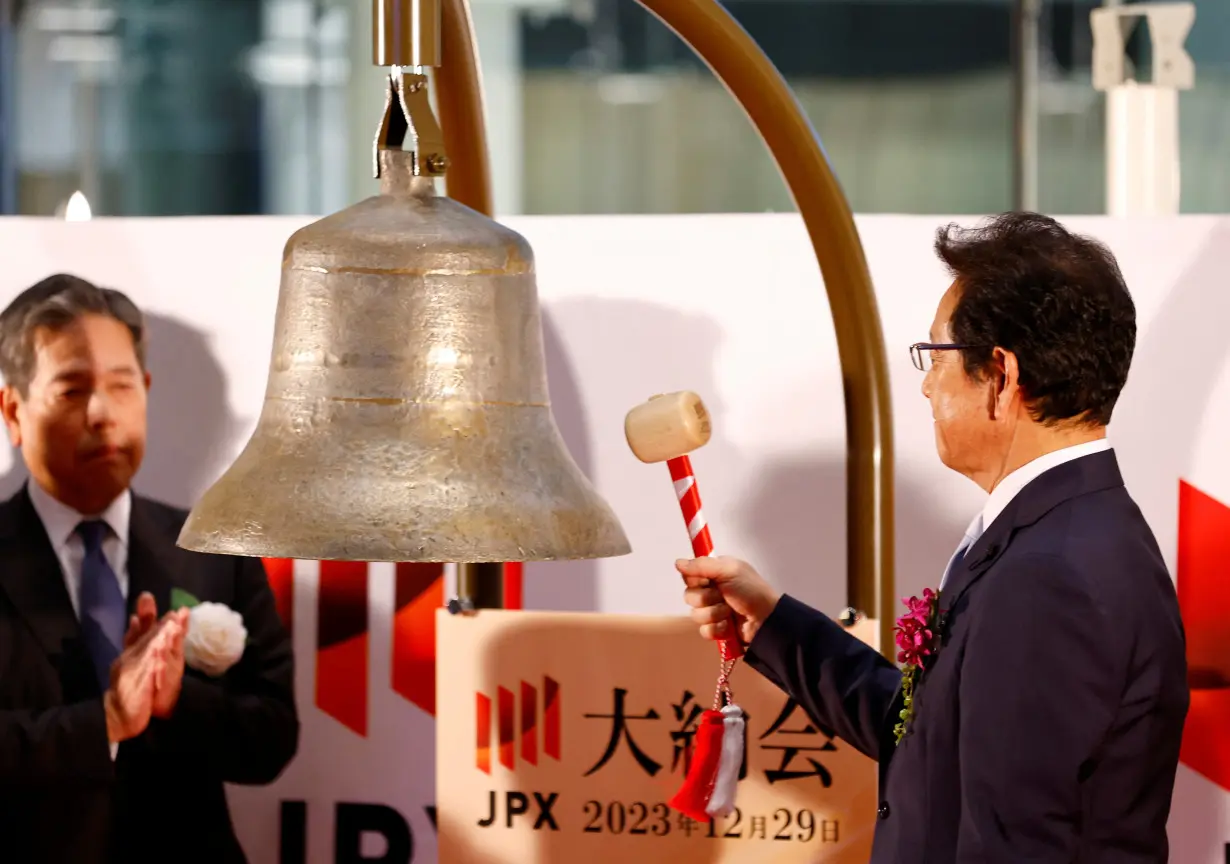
512,726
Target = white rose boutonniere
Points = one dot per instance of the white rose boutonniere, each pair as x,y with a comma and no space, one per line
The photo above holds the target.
216,636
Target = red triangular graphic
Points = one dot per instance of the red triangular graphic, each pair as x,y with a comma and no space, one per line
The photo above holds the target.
1203,583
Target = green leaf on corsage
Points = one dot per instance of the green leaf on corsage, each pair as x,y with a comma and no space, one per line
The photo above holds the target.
181,599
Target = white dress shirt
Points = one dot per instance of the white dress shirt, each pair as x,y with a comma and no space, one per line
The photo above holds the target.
60,522
1010,487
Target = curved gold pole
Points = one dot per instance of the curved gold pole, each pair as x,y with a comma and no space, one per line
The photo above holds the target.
739,63
459,98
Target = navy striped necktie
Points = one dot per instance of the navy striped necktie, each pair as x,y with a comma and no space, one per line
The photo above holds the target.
101,603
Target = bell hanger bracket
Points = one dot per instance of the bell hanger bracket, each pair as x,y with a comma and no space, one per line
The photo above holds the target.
408,114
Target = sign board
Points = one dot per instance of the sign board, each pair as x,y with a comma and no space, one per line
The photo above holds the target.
562,736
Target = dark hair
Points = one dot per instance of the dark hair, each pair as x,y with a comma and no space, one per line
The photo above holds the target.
1054,299
54,303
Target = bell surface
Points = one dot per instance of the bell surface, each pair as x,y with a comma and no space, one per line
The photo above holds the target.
406,416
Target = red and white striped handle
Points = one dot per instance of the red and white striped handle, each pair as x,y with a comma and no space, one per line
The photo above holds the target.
702,544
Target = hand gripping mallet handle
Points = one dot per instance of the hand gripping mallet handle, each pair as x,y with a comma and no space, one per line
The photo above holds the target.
666,429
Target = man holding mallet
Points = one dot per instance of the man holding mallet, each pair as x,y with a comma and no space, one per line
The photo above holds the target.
1040,703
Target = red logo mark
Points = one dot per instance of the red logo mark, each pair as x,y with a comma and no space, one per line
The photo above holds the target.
342,640
506,721
1204,592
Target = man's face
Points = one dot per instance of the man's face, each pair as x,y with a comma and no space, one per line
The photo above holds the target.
967,435
81,426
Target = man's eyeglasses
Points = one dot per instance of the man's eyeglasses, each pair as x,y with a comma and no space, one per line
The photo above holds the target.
920,352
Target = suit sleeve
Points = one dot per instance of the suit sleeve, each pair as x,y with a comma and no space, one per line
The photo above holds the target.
842,683
1039,688
244,725
65,744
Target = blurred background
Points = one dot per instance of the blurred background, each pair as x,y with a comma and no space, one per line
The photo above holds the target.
227,107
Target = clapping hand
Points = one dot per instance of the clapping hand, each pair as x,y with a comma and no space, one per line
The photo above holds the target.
167,687
147,672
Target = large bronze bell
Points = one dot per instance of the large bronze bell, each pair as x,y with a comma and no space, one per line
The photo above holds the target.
406,415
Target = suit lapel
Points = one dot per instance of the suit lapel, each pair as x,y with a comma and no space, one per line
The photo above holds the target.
978,559
1062,483
31,576
151,557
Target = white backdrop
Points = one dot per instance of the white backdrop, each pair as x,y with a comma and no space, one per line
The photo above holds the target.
730,306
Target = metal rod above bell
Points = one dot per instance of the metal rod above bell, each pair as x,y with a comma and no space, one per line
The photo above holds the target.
406,415
406,33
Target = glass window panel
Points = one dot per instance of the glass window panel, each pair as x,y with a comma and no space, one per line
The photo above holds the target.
161,107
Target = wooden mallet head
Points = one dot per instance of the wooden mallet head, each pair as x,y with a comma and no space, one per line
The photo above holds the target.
667,426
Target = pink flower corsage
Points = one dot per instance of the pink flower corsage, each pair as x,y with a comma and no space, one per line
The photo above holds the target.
917,643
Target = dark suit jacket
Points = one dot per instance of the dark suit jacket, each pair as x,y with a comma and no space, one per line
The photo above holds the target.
1048,727
62,799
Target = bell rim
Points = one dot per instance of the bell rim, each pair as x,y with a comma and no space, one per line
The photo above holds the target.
194,541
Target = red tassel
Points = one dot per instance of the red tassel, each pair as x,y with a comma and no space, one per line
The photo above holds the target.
693,796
